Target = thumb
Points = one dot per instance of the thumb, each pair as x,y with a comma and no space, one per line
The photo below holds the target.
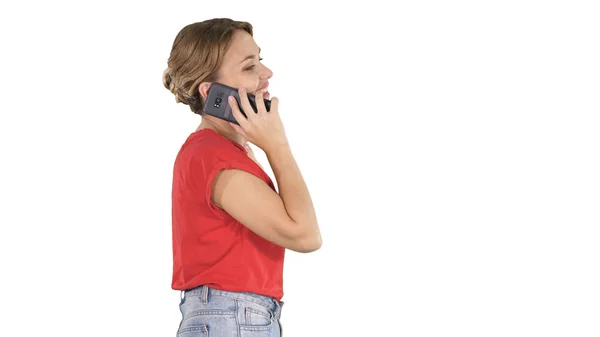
239,130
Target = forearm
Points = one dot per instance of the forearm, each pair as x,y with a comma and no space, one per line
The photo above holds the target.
293,191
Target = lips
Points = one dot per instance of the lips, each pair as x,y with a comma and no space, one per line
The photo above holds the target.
266,94
265,87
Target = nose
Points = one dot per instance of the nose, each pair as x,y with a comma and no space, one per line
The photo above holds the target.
266,73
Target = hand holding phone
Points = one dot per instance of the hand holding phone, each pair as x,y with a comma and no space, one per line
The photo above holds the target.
263,128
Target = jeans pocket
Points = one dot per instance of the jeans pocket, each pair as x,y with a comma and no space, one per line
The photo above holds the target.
193,331
258,317
258,320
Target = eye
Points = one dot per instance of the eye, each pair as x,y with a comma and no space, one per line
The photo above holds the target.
252,66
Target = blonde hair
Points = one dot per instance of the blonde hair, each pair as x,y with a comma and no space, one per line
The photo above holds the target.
196,56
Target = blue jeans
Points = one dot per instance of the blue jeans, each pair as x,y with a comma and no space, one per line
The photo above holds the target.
218,313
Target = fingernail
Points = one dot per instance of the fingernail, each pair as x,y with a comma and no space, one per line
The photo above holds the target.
230,98
241,89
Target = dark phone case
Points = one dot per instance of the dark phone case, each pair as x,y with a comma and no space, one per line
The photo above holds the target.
217,105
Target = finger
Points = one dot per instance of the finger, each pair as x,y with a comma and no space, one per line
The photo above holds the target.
235,110
260,102
246,103
274,105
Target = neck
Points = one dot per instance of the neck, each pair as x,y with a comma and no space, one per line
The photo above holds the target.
221,127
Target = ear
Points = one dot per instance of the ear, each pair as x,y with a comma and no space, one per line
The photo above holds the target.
203,89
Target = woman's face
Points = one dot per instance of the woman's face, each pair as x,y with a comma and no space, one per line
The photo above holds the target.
241,66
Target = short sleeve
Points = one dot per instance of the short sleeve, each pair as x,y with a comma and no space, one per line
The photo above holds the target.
214,164
210,177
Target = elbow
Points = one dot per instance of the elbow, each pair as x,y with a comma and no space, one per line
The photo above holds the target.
309,243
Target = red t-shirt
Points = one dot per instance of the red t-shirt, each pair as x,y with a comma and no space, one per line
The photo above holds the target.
210,247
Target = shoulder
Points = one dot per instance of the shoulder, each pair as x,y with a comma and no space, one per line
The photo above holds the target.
208,149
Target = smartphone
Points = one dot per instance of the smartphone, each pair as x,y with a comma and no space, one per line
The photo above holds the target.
217,105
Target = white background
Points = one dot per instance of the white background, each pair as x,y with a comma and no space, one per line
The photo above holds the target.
451,149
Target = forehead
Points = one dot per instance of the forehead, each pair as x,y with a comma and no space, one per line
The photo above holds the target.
241,46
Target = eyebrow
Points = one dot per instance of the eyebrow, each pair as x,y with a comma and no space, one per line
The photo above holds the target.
250,56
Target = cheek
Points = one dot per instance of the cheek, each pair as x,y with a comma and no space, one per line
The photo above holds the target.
250,82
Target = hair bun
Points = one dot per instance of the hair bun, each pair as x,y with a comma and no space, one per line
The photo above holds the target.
170,83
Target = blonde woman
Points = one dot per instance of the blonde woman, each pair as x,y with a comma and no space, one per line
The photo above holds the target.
230,225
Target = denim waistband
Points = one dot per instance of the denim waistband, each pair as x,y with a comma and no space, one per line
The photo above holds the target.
205,292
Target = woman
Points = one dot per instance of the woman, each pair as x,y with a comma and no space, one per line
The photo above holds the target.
230,226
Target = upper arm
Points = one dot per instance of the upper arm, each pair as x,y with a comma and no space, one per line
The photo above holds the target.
253,203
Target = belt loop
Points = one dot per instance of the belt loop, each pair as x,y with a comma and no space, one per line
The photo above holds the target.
182,295
204,295
278,306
